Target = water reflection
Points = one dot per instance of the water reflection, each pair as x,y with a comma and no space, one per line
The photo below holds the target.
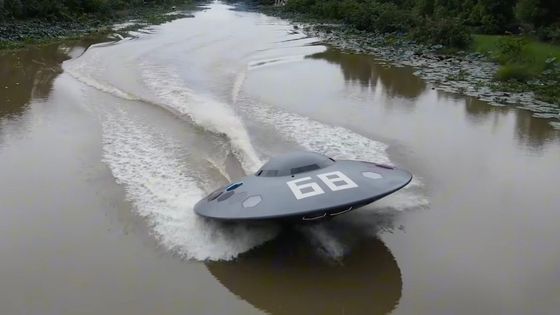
365,71
529,131
28,73
368,72
286,276
478,110
533,132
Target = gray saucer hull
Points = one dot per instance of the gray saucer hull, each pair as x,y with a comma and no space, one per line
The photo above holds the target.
331,190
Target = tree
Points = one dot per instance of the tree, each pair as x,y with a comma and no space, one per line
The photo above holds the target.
12,8
528,11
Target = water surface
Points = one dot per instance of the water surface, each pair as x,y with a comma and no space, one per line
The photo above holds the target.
105,148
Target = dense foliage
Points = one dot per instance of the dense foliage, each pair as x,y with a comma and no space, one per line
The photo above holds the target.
70,9
446,22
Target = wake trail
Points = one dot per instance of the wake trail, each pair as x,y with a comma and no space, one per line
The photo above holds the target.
174,96
204,111
155,170
164,190
339,143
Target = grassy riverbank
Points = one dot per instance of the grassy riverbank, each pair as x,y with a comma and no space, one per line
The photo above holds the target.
20,32
526,64
538,51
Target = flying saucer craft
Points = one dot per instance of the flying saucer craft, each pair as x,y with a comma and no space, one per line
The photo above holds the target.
304,186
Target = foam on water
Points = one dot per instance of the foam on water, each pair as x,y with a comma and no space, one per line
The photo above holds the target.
324,241
80,69
238,84
335,239
164,190
256,64
153,169
101,86
220,166
174,96
204,111
337,142
274,61
330,238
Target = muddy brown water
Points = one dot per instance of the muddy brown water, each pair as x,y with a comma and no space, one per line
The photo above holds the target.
106,146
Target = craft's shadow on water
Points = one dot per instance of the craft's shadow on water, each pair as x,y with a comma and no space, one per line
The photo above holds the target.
289,275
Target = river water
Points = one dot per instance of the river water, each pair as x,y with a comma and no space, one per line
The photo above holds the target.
106,146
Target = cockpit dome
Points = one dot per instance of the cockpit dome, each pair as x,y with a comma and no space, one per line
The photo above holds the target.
294,163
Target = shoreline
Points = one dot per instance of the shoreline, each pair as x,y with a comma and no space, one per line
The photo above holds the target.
462,72
20,34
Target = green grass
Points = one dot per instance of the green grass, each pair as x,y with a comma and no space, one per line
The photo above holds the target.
535,53
515,72
526,65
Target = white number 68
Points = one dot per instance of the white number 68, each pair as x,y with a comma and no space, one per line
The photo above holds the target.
334,180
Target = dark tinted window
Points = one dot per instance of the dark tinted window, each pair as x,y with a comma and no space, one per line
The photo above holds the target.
214,195
278,169
233,186
225,195
269,173
305,168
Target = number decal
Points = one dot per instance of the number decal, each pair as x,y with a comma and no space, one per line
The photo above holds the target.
304,190
334,180
331,180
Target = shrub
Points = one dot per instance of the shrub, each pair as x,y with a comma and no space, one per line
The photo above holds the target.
511,50
12,8
389,18
302,6
527,11
377,17
69,9
514,72
328,9
446,32
357,14
550,33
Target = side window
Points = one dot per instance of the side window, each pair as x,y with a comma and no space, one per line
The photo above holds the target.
337,181
304,190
